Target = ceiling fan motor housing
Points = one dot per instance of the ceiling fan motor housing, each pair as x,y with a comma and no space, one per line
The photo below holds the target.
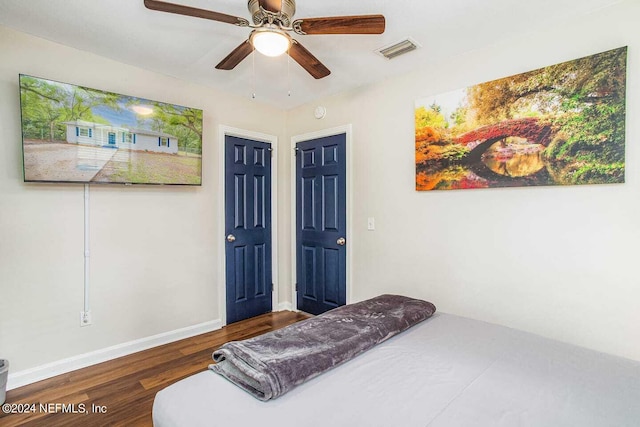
262,16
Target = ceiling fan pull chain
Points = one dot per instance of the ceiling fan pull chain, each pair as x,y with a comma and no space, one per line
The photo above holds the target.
288,71
253,79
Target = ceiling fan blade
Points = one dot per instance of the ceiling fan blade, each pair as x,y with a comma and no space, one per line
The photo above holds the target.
361,24
236,56
309,62
274,6
192,11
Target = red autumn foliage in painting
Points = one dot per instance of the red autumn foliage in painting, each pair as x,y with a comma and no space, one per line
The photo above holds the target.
468,183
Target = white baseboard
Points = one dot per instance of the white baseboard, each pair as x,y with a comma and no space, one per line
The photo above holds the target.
39,373
285,306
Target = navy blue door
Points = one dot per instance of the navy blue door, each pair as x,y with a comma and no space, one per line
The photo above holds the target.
248,228
321,224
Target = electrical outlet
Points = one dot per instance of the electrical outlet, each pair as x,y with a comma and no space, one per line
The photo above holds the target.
85,318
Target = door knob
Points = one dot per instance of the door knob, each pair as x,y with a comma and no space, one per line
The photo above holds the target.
231,238
341,241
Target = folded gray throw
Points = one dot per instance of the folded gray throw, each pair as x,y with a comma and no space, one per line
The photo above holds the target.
270,365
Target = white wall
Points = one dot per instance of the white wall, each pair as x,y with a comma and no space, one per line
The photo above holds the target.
557,261
155,257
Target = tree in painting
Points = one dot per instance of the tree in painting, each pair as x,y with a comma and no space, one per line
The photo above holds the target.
45,105
558,125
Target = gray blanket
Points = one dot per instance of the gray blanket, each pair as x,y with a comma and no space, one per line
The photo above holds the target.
270,365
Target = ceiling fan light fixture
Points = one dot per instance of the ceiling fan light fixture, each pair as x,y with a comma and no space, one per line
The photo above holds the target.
270,42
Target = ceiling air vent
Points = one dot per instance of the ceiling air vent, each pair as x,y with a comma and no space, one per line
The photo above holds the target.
400,48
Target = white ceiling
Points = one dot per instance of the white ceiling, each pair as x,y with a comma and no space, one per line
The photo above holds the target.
189,48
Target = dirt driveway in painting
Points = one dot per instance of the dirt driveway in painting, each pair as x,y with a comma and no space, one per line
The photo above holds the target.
155,168
59,161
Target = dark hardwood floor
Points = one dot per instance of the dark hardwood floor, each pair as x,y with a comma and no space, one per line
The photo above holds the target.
125,387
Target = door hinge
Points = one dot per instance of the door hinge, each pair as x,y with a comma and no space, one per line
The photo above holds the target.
295,151
296,287
272,288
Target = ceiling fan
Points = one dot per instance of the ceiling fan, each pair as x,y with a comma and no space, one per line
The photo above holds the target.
272,20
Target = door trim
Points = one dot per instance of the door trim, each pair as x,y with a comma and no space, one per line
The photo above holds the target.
348,131
224,131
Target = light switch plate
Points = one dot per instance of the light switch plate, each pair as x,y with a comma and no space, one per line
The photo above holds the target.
371,224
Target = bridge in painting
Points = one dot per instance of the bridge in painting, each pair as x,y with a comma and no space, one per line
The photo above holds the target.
530,128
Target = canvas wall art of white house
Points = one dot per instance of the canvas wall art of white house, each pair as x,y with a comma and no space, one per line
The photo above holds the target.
76,134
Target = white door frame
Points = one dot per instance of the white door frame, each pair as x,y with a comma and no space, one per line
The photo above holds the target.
348,131
224,131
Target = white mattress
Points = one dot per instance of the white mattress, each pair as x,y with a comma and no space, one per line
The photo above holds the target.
447,371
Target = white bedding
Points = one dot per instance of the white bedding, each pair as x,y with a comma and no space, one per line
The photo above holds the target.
447,371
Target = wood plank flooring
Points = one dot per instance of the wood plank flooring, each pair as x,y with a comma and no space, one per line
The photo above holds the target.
126,386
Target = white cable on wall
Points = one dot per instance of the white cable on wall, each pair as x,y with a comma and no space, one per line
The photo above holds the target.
85,319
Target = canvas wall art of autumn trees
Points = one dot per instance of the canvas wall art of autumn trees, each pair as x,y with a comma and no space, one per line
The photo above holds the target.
559,125
73,133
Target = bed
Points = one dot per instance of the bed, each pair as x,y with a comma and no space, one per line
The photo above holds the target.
446,371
